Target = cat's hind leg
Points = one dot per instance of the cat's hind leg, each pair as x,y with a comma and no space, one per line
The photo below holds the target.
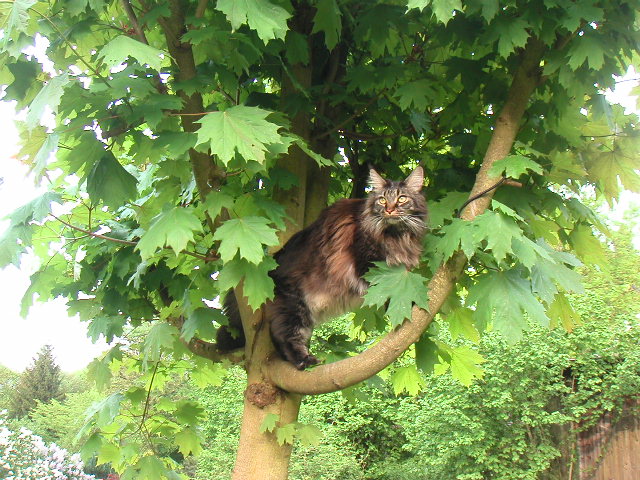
291,328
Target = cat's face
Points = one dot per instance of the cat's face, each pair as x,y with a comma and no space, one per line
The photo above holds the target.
400,205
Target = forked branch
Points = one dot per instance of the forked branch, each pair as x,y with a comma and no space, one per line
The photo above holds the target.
344,373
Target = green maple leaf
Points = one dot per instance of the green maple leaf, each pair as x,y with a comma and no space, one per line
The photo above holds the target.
444,9
587,247
189,412
105,411
49,96
122,47
309,435
505,297
527,251
176,143
269,423
208,374
100,373
200,321
240,129
461,324
36,210
216,201
12,244
513,166
41,158
406,379
105,325
545,274
267,19
511,33
286,434
426,354
498,230
257,286
459,234
464,362
161,336
612,167
418,94
328,19
90,446
31,142
150,468
296,48
589,48
188,441
576,12
174,228
419,4
16,20
562,313
489,9
399,287
109,453
110,182
245,236
445,208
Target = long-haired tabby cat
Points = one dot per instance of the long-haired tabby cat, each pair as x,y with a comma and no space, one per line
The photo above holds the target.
320,269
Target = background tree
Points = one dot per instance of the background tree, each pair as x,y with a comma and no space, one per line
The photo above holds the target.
191,136
8,380
40,382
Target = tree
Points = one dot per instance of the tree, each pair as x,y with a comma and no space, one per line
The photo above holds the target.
189,134
38,383
8,380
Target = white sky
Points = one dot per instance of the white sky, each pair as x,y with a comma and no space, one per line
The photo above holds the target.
47,323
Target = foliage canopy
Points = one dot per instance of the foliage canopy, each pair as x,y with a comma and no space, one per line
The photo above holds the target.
180,140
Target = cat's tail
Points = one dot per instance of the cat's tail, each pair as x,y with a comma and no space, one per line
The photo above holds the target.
231,336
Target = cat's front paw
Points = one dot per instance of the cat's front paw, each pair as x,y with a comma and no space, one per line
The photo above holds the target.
307,361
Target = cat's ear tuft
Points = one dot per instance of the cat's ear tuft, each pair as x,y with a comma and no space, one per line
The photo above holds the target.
376,181
415,180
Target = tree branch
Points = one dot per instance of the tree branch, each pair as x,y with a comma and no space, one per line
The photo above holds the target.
200,9
128,9
348,372
127,242
206,349
341,124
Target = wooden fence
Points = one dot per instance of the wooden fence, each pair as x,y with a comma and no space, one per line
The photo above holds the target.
610,450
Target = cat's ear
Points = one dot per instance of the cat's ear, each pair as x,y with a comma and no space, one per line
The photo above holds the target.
415,180
376,181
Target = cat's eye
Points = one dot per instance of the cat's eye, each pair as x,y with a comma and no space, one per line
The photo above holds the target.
382,201
402,199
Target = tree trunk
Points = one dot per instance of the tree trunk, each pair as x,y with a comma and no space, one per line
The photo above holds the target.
259,455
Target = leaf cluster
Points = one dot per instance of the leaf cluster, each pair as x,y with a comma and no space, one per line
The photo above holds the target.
181,141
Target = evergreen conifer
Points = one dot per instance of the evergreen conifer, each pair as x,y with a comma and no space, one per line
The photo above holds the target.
40,382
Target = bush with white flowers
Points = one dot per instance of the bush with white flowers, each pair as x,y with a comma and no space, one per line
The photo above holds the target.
25,456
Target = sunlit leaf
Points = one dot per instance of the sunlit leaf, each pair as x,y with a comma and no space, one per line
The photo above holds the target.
174,228
239,129
122,47
246,236
397,286
267,19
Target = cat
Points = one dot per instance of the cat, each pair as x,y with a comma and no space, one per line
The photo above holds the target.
320,269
